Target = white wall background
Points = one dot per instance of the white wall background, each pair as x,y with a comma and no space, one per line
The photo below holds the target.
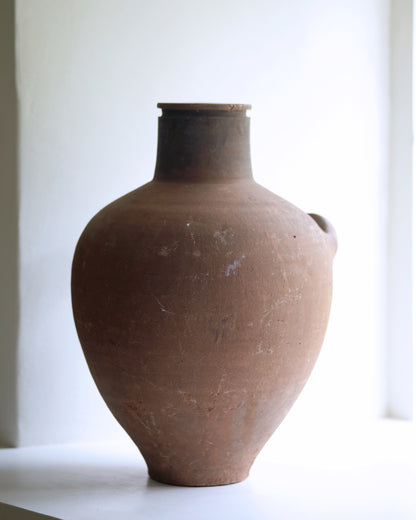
90,74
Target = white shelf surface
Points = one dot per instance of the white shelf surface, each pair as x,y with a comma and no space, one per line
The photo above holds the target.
365,472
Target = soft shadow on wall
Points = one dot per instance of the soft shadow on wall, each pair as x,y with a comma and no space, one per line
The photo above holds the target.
9,312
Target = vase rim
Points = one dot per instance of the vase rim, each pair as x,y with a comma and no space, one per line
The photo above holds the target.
224,107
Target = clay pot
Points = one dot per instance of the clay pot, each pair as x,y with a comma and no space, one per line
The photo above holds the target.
201,301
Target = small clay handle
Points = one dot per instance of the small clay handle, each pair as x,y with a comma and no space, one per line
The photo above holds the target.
327,228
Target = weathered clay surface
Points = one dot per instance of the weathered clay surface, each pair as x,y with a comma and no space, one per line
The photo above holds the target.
201,301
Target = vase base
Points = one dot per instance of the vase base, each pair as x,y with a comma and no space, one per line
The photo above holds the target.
223,478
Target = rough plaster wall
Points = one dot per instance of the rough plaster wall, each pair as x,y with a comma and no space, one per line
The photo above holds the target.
89,76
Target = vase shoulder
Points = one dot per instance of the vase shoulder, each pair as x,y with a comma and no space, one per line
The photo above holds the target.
244,205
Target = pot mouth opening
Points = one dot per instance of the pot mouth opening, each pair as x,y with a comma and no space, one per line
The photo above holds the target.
204,108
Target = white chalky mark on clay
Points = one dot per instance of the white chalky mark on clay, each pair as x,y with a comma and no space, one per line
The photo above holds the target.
162,307
192,235
233,267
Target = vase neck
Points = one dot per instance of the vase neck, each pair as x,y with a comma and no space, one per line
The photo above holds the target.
202,143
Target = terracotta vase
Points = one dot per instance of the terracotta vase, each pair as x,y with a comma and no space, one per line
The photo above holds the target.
201,301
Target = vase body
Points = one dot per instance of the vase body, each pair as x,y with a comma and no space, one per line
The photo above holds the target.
201,301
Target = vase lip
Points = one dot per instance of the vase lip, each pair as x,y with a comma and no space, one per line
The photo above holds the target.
223,107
